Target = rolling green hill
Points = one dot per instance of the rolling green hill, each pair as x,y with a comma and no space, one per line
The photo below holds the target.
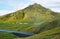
34,18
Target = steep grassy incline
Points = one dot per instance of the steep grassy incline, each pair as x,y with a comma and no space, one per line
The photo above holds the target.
32,13
13,17
40,20
46,30
49,34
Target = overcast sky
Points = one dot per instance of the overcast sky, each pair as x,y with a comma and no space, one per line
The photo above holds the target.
8,6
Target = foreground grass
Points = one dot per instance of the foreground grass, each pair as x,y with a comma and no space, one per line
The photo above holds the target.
50,34
12,26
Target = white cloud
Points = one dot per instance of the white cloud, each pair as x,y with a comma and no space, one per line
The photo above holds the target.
15,6
47,2
18,5
3,12
56,9
52,4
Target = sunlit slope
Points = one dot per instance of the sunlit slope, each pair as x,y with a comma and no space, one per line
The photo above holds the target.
41,21
35,15
34,12
50,34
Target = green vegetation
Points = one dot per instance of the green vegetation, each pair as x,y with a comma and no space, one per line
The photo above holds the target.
35,18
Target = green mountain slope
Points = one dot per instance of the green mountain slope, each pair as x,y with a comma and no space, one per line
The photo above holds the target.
33,13
40,20
50,34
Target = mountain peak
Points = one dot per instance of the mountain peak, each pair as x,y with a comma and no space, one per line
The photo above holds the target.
36,6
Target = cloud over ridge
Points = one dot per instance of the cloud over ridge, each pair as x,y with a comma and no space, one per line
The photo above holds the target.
7,6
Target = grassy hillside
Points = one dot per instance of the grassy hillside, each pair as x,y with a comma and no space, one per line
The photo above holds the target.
50,34
34,18
31,13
